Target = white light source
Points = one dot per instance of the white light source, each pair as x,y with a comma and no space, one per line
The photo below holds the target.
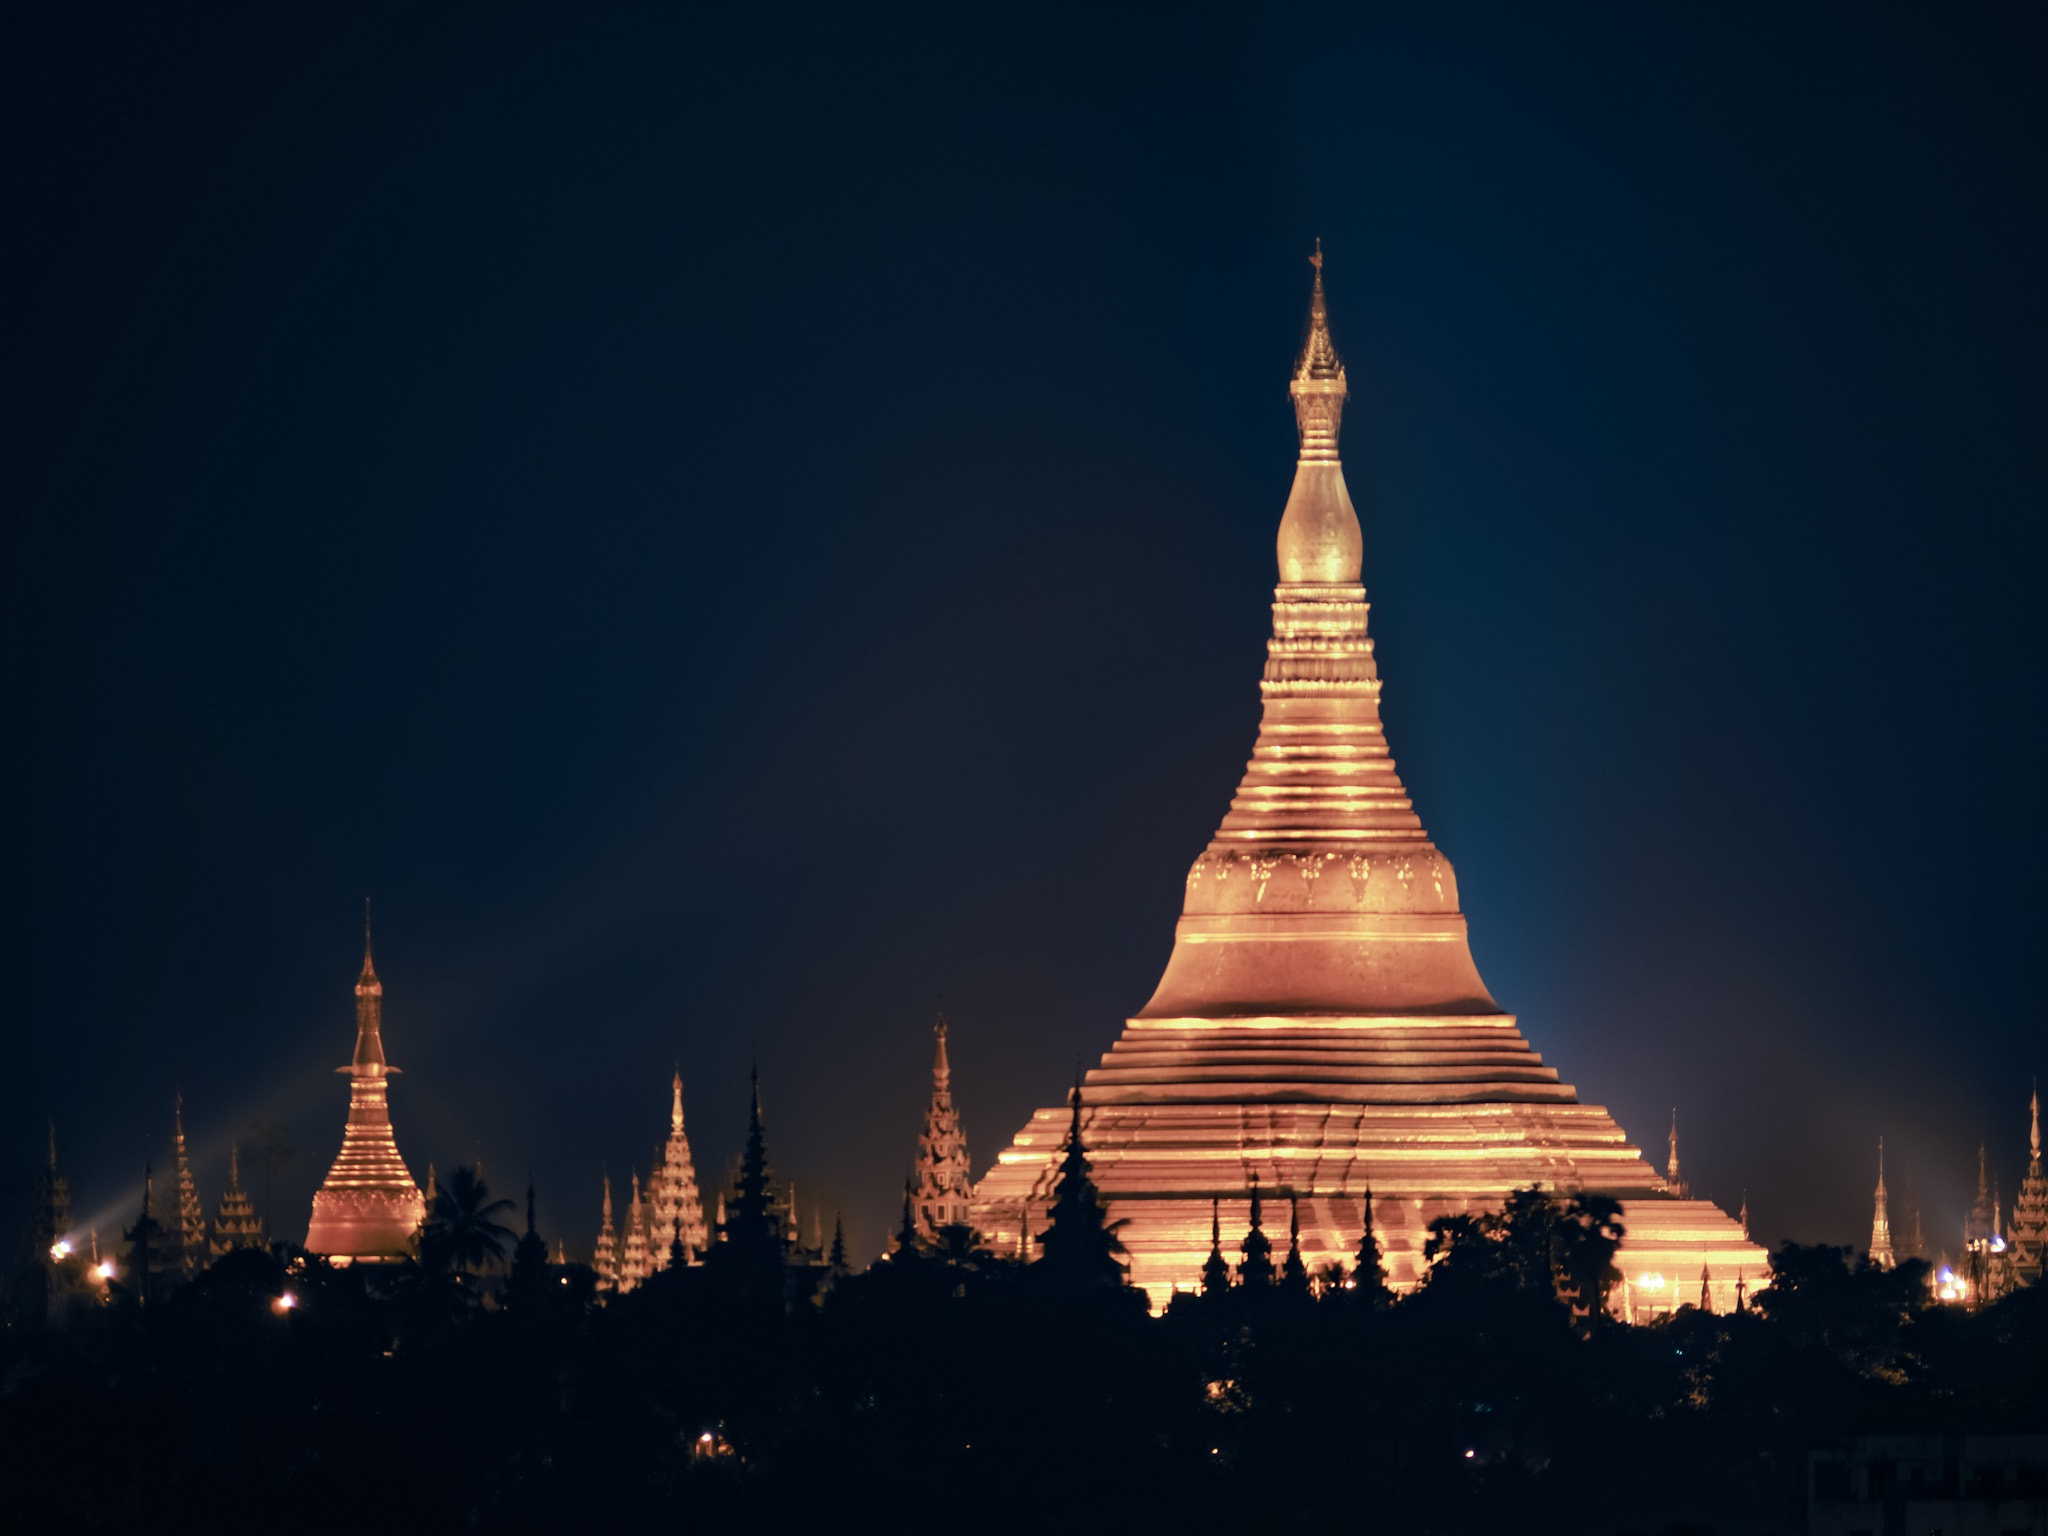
61,1249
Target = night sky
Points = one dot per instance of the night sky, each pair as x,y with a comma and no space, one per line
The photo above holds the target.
733,531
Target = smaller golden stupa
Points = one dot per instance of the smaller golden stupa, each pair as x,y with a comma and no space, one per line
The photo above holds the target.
368,1210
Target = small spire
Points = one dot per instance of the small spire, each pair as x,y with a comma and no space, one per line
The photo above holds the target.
234,1165
675,1107
2033,1138
1671,1168
1744,1216
607,1197
53,1143
366,933
1706,1289
942,1069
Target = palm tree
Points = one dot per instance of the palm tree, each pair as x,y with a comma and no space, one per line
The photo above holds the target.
463,1234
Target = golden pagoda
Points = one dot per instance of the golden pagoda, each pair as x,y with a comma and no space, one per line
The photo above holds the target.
943,1184
192,1252
235,1223
672,1193
368,1210
1321,1026
2029,1234
1880,1250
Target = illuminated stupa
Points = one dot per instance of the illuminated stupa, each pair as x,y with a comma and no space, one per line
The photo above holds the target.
368,1210
1321,1026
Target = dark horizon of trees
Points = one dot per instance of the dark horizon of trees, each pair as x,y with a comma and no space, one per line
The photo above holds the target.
950,1388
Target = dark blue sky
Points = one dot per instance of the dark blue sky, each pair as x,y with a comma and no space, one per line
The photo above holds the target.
730,529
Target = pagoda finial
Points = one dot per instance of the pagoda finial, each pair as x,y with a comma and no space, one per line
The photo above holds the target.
675,1104
366,933
942,1069
2033,1140
1318,386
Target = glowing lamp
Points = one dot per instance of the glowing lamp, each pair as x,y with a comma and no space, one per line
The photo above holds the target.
105,1270
61,1249
1650,1282
284,1303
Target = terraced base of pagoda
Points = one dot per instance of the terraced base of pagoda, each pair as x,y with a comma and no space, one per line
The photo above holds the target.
1436,1116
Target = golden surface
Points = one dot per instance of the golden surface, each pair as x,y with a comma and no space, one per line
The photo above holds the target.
368,1208
1321,1024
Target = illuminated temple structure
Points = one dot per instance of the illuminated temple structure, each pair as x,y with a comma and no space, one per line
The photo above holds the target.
942,1185
368,1209
1321,1027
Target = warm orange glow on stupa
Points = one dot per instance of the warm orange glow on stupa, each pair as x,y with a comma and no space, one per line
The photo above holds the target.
1321,1027
368,1210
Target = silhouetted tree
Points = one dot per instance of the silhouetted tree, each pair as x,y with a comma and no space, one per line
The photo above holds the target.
1532,1246
1215,1268
463,1234
1294,1273
1256,1267
1080,1244
529,1281
1369,1271
836,1259
754,1248
1588,1235
907,1242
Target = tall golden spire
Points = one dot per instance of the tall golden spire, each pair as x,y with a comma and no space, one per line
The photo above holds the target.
1880,1221
1319,541
368,1207
943,1185
369,1056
